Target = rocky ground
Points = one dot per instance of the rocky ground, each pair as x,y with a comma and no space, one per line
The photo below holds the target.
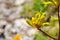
10,18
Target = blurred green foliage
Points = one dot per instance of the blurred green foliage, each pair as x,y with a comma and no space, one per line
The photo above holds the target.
40,36
42,9
30,8
39,6
40,20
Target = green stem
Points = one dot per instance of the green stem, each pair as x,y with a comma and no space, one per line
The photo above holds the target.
45,33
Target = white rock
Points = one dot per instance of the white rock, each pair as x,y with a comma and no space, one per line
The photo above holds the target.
7,31
2,16
2,7
10,31
22,24
6,12
31,32
18,22
9,1
19,2
2,1
2,22
1,31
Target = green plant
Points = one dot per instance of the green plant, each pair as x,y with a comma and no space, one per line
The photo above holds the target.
39,21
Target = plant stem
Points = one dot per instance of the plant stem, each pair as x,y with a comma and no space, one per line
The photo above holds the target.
45,33
59,22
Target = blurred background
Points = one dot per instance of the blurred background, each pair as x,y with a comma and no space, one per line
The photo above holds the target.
13,23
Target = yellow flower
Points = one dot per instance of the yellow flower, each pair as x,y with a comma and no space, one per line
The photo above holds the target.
38,19
42,17
55,19
33,19
37,15
17,37
54,2
46,23
49,2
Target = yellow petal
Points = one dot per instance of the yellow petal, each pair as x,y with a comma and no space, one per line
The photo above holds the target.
54,2
46,3
17,37
33,19
43,16
46,23
37,15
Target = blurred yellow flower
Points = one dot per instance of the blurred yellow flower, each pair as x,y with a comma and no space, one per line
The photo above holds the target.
46,3
17,37
55,2
38,19
33,19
